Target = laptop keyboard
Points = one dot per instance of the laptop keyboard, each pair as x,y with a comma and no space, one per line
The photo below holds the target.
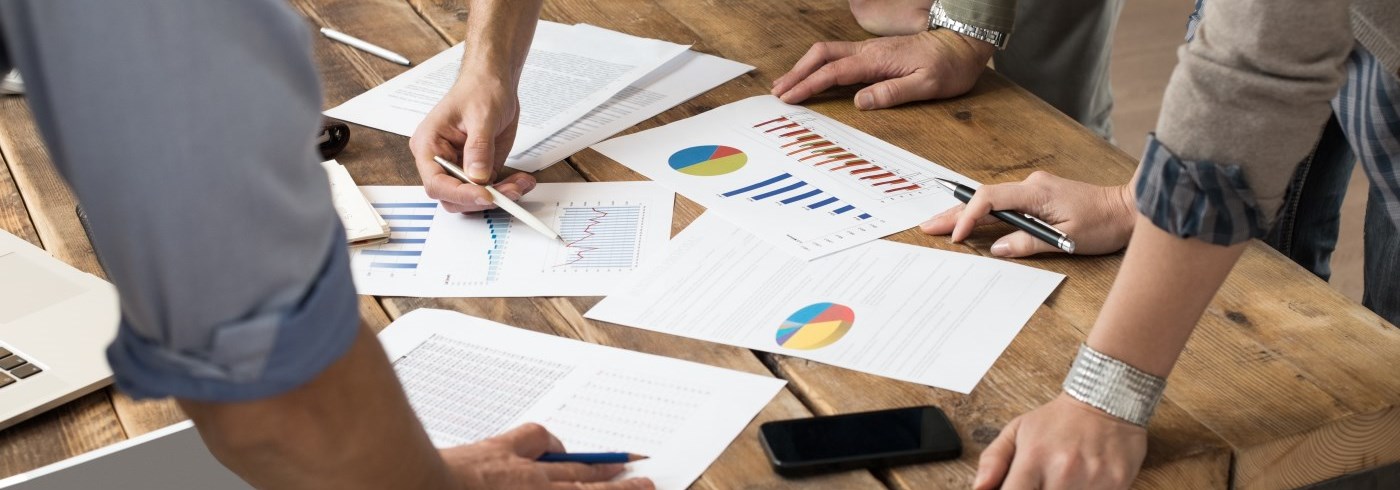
14,368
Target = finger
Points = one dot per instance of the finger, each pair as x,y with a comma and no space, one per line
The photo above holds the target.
579,472
530,441
479,152
844,71
445,188
942,223
819,54
1015,197
1024,474
1021,244
889,93
996,458
516,185
628,484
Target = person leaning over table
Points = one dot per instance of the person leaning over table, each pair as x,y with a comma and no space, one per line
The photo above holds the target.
186,130
1247,101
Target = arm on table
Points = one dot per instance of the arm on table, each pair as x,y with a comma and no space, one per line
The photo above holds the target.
911,64
474,124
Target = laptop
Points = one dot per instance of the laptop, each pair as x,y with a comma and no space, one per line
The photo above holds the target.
173,458
55,325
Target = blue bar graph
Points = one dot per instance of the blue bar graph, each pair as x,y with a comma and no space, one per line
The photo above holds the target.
821,203
393,265
409,225
791,190
844,209
864,216
405,205
394,253
498,226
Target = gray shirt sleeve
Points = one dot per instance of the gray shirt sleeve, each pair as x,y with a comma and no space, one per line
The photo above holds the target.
185,128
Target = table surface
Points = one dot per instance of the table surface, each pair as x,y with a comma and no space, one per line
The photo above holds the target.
1285,381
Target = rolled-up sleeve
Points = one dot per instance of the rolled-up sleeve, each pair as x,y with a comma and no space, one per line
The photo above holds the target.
1245,104
186,131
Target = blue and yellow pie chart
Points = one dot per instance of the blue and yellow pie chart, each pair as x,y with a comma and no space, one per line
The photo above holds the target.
708,160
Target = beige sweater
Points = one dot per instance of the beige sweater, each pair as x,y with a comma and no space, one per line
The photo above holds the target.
1253,88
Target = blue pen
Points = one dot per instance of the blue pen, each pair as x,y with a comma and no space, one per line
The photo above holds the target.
590,458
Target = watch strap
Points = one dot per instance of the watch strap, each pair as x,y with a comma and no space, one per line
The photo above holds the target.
1113,386
938,17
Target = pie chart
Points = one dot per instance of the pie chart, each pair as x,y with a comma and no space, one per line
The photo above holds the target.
816,326
708,160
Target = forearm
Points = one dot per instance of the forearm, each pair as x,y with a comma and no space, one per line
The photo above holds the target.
498,36
1162,288
351,427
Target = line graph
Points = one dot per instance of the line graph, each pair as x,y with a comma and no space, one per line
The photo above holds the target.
599,236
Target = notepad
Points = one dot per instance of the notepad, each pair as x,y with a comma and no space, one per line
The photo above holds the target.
363,225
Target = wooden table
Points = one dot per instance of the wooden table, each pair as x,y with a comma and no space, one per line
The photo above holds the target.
1286,382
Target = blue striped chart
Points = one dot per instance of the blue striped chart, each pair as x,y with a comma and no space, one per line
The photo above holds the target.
787,190
409,225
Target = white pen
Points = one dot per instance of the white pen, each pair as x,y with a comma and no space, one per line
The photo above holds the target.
362,45
502,201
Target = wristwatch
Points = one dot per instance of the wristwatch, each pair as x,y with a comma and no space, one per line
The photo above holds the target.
937,18
1114,386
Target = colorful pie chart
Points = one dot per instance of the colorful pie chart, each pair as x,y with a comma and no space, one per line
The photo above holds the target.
708,160
816,326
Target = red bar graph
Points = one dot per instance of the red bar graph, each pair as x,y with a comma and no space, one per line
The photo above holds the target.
800,136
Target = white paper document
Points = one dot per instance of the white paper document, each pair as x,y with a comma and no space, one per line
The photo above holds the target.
609,229
800,180
571,70
469,379
911,313
362,224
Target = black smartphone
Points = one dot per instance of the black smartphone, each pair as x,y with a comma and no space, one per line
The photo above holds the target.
859,440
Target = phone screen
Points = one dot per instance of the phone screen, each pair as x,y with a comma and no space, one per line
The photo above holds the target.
862,436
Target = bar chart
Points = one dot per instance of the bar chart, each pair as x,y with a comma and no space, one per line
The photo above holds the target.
787,190
409,225
811,140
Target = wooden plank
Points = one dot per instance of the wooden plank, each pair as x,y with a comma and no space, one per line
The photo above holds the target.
743,463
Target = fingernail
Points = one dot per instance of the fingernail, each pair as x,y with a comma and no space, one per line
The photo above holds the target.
514,196
479,172
977,481
527,187
864,101
1001,249
482,201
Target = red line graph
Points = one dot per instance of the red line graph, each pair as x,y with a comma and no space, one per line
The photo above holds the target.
587,233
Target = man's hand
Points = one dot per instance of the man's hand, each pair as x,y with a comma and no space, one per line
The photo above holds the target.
474,126
508,461
927,65
891,17
1063,444
1099,219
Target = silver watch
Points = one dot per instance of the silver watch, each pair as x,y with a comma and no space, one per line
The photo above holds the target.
937,18
1113,386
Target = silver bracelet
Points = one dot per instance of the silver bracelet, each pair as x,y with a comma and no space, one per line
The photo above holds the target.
937,17
1113,386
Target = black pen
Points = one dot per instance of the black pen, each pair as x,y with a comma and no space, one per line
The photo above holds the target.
1027,223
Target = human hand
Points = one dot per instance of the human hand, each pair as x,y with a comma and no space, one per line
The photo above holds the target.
473,125
508,461
928,65
1063,444
1098,219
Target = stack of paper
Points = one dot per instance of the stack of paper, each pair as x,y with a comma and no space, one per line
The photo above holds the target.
580,84
11,84
363,225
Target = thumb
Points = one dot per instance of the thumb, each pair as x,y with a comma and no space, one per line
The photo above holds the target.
893,92
479,153
996,459
1021,244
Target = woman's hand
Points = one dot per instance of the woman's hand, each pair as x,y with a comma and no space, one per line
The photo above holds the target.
1098,219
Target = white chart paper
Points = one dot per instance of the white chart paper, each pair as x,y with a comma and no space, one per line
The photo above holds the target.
609,229
571,73
911,313
469,379
800,180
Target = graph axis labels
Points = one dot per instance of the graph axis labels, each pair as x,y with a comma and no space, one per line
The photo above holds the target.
708,160
815,326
